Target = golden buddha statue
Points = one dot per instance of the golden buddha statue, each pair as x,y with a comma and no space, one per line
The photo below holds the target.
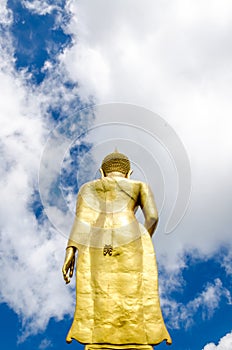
117,300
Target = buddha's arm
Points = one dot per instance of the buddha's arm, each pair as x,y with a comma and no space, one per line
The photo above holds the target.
69,262
148,207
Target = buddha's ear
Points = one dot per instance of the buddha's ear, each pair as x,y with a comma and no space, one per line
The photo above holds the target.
102,172
129,173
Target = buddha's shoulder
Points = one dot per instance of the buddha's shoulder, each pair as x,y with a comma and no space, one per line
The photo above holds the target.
120,180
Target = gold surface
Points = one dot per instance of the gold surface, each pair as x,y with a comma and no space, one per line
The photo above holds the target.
115,162
117,347
117,300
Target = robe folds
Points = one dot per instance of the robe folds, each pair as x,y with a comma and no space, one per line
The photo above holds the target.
117,300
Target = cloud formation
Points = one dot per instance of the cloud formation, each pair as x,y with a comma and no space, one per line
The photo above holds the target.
173,58
42,7
225,343
205,303
32,251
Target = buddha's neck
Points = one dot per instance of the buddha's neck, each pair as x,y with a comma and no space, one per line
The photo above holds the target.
115,173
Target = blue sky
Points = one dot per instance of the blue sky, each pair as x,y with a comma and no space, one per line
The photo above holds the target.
58,59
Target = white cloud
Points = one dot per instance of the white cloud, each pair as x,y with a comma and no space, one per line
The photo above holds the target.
42,7
45,344
31,252
226,262
5,13
225,343
174,58
205,304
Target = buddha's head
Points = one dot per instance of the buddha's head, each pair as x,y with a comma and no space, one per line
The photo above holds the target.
116,163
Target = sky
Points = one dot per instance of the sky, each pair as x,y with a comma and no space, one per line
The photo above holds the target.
78,78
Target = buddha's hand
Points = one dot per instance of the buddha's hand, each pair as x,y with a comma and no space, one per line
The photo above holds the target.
69,262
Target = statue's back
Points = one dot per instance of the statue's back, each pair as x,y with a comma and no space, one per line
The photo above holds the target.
116,279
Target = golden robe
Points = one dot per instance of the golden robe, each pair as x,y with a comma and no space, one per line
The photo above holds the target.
117,300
